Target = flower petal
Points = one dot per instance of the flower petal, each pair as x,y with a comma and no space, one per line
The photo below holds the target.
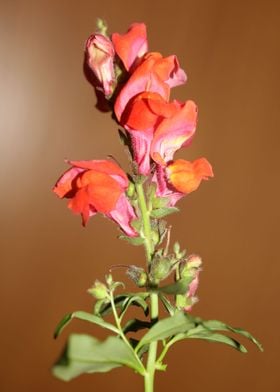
174,132
123,214
132,45
103,166
186,176
64,185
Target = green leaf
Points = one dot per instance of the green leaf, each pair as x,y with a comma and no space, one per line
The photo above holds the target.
199,333
121,300
165,328
162,212
215,325
179,287
132,240
86,317
86,354
135,325
135,300
167,304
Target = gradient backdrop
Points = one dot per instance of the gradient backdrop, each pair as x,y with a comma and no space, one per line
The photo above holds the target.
230,51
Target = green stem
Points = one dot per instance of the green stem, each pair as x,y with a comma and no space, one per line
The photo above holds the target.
152,354
149,247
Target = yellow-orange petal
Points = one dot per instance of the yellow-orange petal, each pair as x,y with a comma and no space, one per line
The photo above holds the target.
186,176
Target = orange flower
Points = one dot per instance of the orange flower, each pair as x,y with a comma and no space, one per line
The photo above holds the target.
186,176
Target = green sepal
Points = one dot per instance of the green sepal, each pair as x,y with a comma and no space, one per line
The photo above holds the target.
86,354
162,212
167,327
160,202
81,315
179,287
132,240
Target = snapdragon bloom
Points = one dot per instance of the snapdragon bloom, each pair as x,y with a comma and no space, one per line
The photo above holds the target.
180,177
97,186
156,74
158,128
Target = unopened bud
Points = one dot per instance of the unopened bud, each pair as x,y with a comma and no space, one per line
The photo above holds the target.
190,266
98,290
160,269
138,275
130,190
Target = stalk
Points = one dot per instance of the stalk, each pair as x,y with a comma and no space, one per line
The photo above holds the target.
149,248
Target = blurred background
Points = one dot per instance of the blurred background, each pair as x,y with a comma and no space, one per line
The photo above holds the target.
230,51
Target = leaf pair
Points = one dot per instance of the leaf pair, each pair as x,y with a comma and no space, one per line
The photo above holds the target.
181,326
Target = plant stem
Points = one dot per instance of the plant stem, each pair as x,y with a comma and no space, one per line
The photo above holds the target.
152,354
149,247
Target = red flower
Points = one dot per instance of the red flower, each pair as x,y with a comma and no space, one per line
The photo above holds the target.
154,74
97,186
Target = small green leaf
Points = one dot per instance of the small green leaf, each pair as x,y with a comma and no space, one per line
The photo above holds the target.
86,354
121,300
135,300
215,325
165,328
198,333
135,325
85,317
132,240
167,304
179,287
162,212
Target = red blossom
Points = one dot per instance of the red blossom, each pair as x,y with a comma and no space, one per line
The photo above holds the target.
97,186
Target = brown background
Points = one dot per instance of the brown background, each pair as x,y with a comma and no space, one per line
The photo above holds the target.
230,50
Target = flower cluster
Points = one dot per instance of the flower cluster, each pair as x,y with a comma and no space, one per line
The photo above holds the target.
135,85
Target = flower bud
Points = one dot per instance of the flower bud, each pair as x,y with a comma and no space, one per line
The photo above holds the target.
190,269
190,266
160,269
98,290
99,57
138,275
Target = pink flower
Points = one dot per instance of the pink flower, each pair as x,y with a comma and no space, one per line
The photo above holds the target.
97,186
131,46
99,63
